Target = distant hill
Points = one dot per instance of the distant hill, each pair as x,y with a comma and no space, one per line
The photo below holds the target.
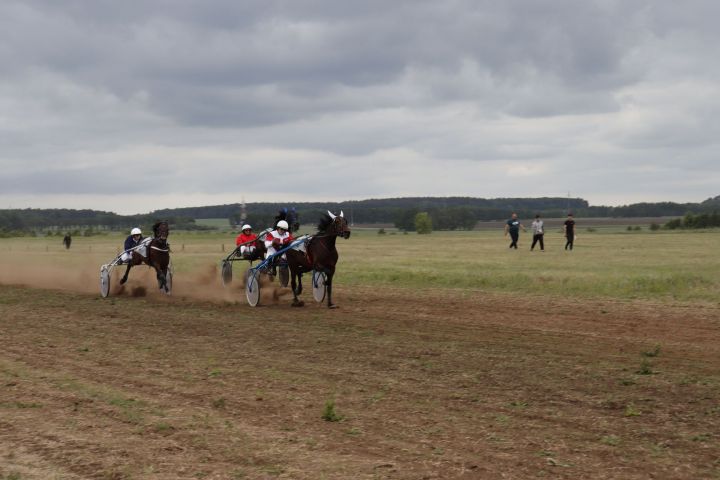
447,212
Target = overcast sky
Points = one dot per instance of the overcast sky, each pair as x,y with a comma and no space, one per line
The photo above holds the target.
131,106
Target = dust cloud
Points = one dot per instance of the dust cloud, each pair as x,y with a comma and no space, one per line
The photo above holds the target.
83,276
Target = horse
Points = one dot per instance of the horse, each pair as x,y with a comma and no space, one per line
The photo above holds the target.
158,256
320,255
67,240
291,217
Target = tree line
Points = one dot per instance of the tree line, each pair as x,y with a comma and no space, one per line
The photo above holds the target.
702,220
446,213
26,221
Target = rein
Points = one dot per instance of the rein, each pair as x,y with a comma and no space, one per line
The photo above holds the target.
322,244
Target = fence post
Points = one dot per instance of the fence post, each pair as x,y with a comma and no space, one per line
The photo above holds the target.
223,247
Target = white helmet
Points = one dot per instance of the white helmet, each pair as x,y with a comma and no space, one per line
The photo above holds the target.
283,224
246,227
135,231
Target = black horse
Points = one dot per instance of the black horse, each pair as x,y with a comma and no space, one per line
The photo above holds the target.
67,240
158,256
291,217
320,255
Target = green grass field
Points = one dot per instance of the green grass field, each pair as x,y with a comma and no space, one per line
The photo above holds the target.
664,266
660,266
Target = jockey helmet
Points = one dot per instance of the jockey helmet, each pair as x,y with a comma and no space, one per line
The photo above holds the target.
283,224
246,227
135,231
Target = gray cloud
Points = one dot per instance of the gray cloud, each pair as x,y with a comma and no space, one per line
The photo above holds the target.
451,97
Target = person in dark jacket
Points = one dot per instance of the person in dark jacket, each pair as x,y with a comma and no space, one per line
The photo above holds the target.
512,228
132,241
569,229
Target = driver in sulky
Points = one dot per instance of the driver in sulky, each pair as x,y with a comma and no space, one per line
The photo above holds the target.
277,240
132,241
243,241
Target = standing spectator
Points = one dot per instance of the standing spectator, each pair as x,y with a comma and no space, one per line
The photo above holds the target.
569,228
513,227
538,228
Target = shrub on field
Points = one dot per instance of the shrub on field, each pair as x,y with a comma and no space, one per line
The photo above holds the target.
423,223
674,224
654,227
381,231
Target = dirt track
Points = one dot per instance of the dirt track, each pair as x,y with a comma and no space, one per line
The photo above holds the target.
431,384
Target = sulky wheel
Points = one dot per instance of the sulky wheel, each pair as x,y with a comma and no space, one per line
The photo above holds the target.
226,273
252,289
169,280
318,286
104,282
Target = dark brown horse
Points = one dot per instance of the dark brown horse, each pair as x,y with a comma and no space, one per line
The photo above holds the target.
320,255
158,256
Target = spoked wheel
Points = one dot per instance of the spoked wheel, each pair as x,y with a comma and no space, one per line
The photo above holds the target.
168,281
104,282
252,288
284,275
318,286
226,273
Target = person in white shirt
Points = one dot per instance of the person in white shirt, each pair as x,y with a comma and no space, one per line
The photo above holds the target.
538,228
278,239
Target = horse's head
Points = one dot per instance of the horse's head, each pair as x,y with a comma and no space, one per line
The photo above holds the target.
161,230
334,225
158,249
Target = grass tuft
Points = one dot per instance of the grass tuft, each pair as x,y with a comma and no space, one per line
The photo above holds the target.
612,440
652,353
645,367
632,411
329,414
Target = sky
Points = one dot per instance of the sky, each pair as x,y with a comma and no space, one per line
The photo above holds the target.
138,105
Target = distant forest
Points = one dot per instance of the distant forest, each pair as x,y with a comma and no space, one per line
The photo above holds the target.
447,213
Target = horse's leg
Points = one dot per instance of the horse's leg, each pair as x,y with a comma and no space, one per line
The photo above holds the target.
328,286
160,278
294,284
127,271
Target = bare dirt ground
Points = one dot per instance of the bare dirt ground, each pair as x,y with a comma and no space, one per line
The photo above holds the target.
425,384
